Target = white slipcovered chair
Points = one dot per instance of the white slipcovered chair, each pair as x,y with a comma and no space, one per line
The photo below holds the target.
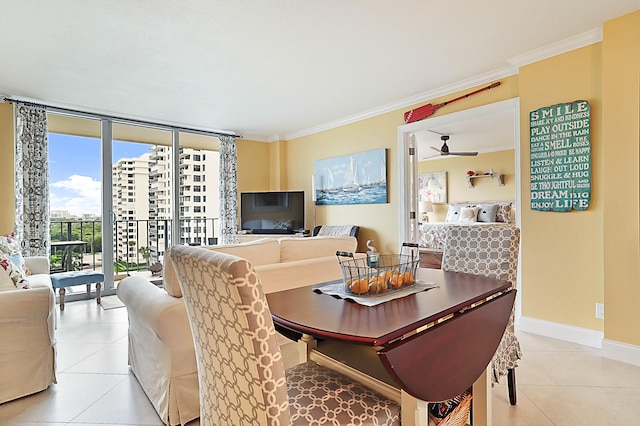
240,368
492,251
27,333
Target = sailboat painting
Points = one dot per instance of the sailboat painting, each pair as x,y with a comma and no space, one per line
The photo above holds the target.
352,179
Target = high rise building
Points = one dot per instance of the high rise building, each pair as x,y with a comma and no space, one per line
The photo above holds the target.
131,206
199,200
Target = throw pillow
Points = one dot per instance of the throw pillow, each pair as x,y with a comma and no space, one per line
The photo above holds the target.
487,212
19,278
468,214
18,263
9,244
453,214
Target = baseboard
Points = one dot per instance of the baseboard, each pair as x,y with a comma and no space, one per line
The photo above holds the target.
617,351
569,333
622,352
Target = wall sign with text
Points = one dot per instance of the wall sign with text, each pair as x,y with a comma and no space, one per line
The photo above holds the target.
560,139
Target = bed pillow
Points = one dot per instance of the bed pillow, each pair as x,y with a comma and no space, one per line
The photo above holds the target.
504,213
468,214
453,214
487,212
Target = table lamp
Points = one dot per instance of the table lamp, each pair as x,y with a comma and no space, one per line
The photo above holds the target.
425,207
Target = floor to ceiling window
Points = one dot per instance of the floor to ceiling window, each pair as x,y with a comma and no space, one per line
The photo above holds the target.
112,186
75,199
198,189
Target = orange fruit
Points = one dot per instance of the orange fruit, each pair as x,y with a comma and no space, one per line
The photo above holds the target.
386,275
359,286
408,278
397,280
377,285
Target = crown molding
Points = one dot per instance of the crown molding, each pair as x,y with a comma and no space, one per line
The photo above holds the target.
403,103
260,137
581,40
572,43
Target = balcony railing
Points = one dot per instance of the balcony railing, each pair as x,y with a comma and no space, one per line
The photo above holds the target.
137,244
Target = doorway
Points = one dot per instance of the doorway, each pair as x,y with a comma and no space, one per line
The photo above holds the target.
476,129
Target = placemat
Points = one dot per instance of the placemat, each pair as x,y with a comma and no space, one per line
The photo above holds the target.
336,288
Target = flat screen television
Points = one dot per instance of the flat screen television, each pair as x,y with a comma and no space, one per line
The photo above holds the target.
277,212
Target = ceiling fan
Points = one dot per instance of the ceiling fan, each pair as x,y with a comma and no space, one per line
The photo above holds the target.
444,150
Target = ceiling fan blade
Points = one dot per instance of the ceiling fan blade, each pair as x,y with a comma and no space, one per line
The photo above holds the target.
437,133
435,149
468,154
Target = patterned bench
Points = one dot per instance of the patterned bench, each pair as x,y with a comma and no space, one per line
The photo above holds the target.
67,279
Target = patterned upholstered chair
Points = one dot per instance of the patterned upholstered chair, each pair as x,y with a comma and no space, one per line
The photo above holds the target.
240,367
491,251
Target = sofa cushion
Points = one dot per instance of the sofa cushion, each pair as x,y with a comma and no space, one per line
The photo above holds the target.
6,283
297,248
264,251
39,280
259,252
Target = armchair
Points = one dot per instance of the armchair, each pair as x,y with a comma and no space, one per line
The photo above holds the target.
27,317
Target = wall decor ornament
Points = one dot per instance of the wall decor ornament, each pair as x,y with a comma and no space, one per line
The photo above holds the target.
433,187
352,179
560,142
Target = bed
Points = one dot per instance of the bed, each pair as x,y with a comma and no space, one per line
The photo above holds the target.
433,234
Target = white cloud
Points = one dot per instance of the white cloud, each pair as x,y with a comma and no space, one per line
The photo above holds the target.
77,194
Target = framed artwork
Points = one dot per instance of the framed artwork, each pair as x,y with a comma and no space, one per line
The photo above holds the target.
433,187
352,179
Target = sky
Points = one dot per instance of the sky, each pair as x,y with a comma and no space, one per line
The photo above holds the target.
75,171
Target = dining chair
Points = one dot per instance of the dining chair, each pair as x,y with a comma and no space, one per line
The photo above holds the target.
492,251
240,367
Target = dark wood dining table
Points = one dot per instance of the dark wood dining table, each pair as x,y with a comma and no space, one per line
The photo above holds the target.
425,347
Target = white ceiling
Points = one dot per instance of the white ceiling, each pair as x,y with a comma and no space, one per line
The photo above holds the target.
270,69
476,130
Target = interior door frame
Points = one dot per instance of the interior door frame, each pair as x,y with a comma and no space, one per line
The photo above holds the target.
408,169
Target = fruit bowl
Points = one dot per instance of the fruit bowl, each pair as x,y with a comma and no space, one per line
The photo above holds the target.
389,272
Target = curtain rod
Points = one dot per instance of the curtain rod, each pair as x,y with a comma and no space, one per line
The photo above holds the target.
114,118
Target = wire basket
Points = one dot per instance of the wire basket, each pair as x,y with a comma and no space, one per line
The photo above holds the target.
379,274
459,416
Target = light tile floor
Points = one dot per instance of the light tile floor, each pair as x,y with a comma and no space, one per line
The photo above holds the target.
559,383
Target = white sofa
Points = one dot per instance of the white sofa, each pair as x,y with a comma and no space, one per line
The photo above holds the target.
27,333
161,352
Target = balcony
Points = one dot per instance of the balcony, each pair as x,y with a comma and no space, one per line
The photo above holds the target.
137,243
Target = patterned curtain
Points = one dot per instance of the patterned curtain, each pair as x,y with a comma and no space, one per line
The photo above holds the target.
228,189
32,180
